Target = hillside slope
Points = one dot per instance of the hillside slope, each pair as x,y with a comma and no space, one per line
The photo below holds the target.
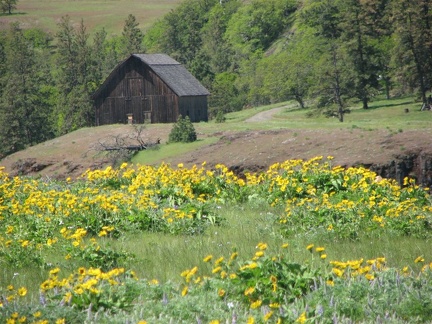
390,154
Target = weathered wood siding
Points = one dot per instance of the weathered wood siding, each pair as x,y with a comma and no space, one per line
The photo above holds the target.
195,107
135,89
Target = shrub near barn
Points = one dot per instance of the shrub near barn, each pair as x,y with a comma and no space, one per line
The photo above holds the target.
183,131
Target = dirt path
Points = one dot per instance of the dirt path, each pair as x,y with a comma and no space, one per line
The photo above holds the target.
264,115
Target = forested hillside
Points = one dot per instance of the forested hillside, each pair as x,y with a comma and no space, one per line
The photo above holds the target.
322,53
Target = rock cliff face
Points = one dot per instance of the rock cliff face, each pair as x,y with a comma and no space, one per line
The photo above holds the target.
416,165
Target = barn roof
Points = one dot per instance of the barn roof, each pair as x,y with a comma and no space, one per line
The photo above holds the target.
175,75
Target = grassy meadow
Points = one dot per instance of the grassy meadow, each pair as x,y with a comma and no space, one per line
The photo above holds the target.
108,14
305,241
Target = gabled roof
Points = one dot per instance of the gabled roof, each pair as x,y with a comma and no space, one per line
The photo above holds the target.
175,75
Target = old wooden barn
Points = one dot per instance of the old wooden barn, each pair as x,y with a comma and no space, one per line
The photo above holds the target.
150,88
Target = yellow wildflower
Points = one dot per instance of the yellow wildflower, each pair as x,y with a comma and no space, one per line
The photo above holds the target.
249,291
256,304
22,291
219,261
37,314
233,256
302,318
217,269
419,259
54,271
267,316
337,272
208,258
185,291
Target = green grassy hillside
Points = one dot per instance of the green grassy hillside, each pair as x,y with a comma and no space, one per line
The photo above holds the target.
110,15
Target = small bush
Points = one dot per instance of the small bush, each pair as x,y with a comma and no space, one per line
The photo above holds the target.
183,131
220,117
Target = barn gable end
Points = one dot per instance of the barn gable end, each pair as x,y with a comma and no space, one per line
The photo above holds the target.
150,88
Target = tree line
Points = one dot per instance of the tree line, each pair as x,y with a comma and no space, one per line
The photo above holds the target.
321,53
46,82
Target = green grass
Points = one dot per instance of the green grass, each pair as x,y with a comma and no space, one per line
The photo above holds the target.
170,150
244,228
163,256
45,14
383,114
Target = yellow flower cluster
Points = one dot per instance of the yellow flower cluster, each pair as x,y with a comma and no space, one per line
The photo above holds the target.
82,284
360,267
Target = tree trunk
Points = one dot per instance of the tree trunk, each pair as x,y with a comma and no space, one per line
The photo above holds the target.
387,87
365,103
337,86
299,99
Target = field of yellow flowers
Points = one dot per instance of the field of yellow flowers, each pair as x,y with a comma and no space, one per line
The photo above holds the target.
72,234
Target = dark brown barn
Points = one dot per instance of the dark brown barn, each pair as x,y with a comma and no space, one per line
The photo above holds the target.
150,88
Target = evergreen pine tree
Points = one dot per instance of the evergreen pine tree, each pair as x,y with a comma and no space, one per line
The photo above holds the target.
132,37
24,117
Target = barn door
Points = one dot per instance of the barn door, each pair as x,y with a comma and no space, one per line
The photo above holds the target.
147,108
134,99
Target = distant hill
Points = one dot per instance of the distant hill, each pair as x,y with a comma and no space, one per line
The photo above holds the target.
45,14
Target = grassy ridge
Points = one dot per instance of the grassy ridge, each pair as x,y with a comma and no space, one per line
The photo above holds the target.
96,14
383,114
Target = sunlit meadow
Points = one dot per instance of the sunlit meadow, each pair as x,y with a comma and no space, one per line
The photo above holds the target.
305,241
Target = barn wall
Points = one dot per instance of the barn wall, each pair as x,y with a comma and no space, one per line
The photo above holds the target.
195,107
135,89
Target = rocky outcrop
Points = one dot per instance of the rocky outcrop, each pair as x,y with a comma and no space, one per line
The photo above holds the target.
416,165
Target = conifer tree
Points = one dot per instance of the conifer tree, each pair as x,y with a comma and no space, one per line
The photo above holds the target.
413,33
132,37
24,117
75,108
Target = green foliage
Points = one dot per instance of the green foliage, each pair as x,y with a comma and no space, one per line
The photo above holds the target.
220,117
8,5
215,47
183,131
257,24
181,37
399,296
225,95
132,37
412,56
271,280
24,111
290,73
